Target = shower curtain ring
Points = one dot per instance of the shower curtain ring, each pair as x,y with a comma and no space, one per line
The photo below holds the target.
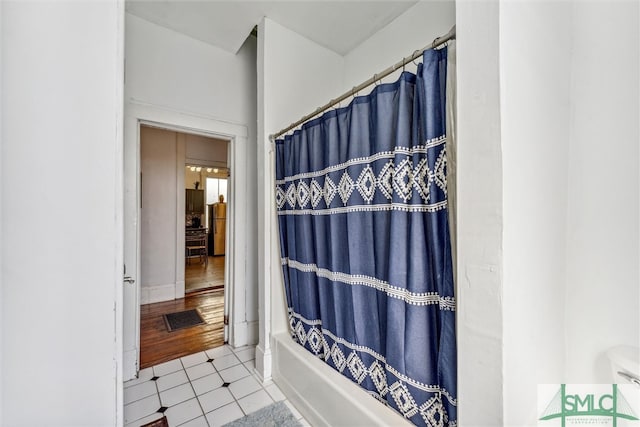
414,59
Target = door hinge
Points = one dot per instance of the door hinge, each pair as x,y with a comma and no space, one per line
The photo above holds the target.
226,319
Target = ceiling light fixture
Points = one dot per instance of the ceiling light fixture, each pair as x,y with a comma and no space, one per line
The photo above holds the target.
193,168
198,169
209,170
216,170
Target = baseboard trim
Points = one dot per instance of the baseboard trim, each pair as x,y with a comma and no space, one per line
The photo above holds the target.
158,293
180,290
264,363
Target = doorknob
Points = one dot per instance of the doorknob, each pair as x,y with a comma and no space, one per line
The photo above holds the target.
129,279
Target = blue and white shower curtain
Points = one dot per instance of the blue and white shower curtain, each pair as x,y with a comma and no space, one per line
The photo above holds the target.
361,195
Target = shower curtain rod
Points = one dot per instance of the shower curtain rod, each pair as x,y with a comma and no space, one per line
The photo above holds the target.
451,35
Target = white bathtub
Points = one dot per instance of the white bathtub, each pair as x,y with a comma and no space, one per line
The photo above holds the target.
322,395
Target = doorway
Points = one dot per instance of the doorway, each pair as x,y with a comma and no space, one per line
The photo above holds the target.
137,292
209,221
174,236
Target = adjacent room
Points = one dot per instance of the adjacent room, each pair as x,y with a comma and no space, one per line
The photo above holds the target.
182,242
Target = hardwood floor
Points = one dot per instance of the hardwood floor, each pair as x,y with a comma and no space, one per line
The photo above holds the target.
157,345
199,276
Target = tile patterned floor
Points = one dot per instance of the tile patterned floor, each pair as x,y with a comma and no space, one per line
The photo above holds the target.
207,389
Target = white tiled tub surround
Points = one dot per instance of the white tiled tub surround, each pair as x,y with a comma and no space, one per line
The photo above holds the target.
207,389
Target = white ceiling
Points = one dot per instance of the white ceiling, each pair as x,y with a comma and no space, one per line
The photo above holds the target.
337,25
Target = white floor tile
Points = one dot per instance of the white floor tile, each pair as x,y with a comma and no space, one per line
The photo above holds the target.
198,422
244,386
215,399
246,354
234,373
275,392
172,380
141,408
266,383
200,370
176,395
255,401
208,383
183,412
242,348
221,405
224,415
167,367
143,376
137,392
219,351
293,410
194,359
224,362
145,420
250,365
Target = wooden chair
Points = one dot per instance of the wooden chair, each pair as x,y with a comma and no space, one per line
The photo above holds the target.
196,246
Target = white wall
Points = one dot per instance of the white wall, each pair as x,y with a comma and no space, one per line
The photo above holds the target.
190,80
299,76
414,29
61,267
603,292
168,69
204,151
535,113
160,160
559,260
479,180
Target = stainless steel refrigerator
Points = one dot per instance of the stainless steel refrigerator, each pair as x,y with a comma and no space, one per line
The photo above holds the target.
217,228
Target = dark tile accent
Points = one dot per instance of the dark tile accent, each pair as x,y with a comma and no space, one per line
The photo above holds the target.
162,409
226,384
155,378
210,360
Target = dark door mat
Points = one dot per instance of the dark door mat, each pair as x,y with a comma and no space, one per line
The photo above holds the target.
182,319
